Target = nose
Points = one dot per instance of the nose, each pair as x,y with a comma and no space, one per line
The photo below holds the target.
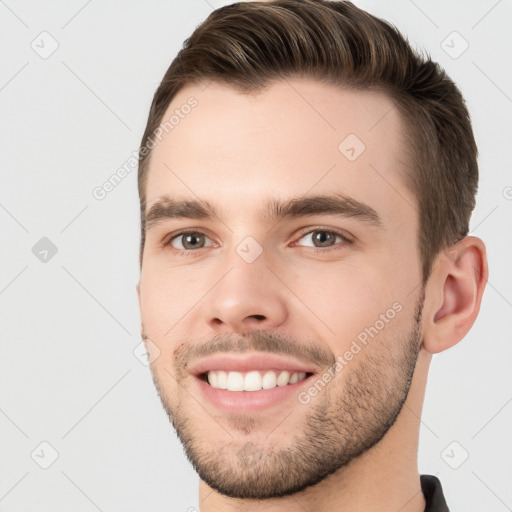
248,297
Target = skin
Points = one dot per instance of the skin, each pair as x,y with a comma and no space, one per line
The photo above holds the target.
238,151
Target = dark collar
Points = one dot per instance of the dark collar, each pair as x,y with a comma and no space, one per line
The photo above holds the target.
433,492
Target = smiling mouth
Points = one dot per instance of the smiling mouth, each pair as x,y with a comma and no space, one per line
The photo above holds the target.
254,380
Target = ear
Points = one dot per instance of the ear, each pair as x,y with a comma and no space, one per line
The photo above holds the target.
454,293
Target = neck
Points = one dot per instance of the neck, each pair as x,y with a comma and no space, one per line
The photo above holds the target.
383,478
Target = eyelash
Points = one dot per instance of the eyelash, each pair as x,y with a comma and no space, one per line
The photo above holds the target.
191,252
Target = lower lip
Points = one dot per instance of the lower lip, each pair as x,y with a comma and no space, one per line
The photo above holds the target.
249,401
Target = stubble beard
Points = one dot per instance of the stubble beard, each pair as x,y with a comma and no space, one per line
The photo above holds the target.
347,418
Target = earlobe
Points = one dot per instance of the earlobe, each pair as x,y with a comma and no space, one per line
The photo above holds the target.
454,294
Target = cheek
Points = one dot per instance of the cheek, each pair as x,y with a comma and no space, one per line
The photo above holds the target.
159,315
346,298
166,296
153,302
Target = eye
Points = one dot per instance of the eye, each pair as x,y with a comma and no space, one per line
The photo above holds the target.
188,241
323,238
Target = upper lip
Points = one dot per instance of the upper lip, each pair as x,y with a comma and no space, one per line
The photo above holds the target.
239,362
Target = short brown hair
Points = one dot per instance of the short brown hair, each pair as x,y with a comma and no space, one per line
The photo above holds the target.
250,44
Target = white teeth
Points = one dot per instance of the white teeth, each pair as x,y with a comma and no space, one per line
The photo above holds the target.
283,379
269,380
235,381
222,379
253,380
213,379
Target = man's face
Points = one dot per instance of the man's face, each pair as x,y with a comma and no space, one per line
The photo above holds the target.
327,290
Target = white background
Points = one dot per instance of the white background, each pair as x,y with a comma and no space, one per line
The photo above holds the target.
69,326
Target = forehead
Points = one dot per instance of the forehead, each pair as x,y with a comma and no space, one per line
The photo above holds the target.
296,137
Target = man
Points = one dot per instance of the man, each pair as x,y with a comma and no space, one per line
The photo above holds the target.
306,184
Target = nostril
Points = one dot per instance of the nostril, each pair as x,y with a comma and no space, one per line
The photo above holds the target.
258,317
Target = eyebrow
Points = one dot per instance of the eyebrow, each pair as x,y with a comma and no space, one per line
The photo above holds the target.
275,211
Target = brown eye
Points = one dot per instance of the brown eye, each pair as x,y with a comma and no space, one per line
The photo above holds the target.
322,238
188,241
